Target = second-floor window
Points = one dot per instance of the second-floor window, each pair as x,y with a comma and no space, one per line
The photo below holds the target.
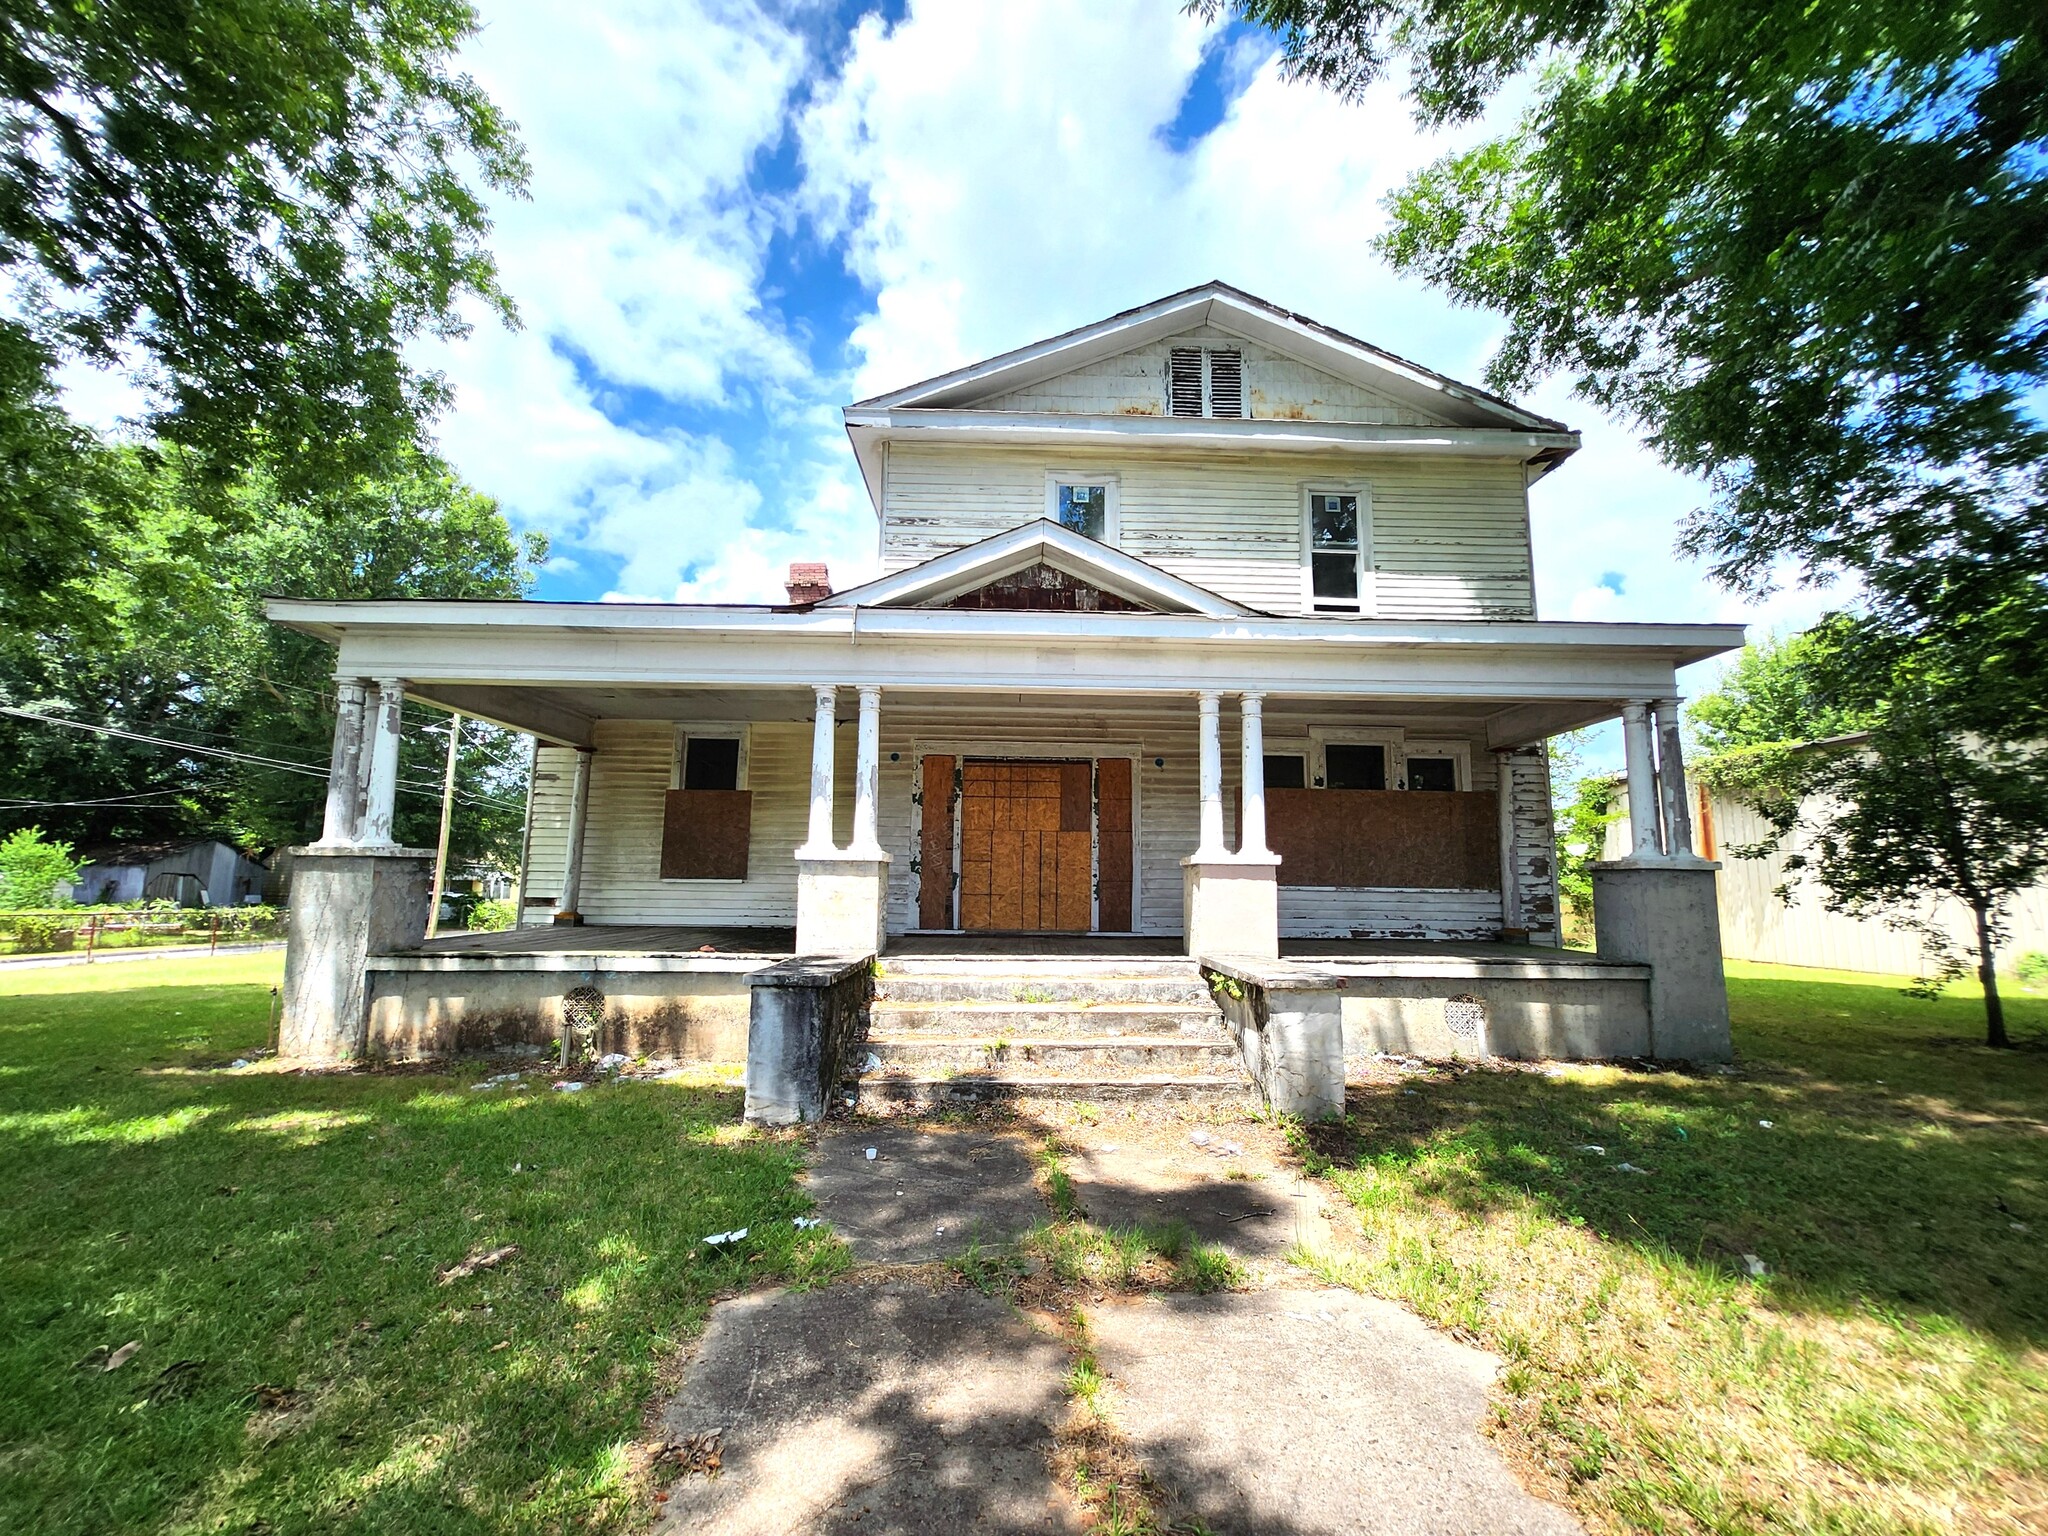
1084,503
1334,552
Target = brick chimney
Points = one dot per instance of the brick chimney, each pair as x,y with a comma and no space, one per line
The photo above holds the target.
809,582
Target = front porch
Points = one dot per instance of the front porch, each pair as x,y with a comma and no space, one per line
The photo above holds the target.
685,991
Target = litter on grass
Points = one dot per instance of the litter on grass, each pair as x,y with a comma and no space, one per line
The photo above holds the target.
805,1223
1589,1147
1757,1267
1629,1168
1765,1124
720,1239
569,1087
240,1061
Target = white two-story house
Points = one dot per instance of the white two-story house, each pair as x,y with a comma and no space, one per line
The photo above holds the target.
1204,625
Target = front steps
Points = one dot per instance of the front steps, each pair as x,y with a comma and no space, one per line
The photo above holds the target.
948,1032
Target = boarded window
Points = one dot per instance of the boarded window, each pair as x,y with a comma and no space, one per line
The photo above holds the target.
1351,766
1359,839
704,834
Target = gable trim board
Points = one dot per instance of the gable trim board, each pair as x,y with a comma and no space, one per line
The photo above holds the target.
1228,309
1039,542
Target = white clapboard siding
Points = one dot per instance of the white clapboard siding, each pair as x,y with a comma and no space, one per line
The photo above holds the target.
1449,536
1535,843
1756,924
554,771
1277,387
630,773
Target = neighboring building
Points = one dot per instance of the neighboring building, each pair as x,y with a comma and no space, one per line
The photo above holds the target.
201,874
1100,555
1758,924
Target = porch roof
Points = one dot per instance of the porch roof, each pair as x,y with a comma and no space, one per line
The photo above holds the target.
532,665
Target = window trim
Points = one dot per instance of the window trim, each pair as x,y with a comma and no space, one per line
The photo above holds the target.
1320,737
1459,752
710,730
1112,512
1293,746
1368,592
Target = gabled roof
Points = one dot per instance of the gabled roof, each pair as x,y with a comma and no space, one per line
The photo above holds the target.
1041,541
1230,309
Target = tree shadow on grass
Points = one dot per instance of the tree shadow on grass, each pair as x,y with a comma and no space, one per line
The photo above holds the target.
1862,1151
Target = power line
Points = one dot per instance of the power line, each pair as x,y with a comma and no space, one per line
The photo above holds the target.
10,803
283,765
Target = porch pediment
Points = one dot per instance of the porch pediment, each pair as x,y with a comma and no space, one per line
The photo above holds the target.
1040,567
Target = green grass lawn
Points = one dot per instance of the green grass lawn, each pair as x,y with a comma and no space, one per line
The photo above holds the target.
1886,1374
274,1242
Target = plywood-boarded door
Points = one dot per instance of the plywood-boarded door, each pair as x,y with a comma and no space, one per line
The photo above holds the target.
1025,862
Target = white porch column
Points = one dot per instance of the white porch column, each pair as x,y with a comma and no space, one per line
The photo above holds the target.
1230,901
569,910
1642,781
867,765
388,718
1671,782
1510,883
344,769
1212,847
1252,774
819,840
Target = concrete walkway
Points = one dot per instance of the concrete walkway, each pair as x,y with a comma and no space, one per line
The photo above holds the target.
901,1400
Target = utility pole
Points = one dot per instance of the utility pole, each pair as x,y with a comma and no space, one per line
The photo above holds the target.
447,815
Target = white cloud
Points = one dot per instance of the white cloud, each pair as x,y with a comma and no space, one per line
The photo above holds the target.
637,265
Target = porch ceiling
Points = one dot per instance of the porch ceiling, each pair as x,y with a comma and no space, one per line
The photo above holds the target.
566,714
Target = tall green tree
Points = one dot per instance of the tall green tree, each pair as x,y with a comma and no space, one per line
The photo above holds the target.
178,650
247,207
1867,747
1802,247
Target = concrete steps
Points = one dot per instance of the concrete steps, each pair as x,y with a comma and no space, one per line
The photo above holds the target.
960,1031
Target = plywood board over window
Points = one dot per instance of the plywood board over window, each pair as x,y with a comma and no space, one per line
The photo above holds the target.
705,833
1365,838
708,817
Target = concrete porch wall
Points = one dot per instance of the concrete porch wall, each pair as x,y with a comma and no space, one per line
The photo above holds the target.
421,1007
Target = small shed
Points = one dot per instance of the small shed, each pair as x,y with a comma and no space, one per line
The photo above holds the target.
207,873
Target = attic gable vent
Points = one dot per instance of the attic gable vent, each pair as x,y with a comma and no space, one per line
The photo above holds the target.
1184,381
1200,382
1226,384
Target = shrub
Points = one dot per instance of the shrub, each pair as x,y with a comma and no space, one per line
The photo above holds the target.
2032,969
34,873
493,916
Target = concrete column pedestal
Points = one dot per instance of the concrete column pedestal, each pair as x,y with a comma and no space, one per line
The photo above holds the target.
842,902
1664,914
1231,905
347,904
